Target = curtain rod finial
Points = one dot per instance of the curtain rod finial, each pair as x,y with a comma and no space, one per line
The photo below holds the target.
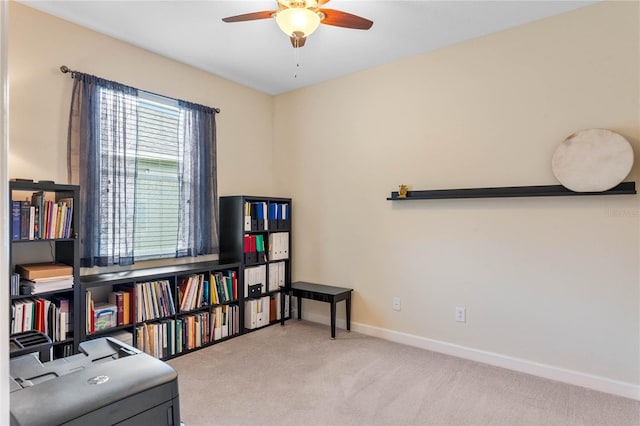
64,69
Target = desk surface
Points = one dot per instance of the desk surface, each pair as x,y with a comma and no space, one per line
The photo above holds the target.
319,288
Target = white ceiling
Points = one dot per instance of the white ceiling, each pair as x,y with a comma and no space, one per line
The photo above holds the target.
258,55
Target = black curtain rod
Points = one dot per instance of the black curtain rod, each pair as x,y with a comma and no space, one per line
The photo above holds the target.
65,69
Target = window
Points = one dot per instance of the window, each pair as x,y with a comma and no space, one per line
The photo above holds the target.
157,181
147,169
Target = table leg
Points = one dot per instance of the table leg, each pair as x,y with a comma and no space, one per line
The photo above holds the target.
299,307
348,305
333,319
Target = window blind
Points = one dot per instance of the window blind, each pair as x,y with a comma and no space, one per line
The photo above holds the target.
157,182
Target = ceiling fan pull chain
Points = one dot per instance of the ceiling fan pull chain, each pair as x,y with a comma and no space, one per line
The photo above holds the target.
297,58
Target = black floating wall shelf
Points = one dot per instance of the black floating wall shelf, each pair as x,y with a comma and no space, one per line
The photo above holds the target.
509,191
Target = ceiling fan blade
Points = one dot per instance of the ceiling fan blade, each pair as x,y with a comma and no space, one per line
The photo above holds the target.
250,16
338,18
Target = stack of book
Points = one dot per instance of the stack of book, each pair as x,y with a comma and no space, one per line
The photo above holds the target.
224,322
52,317
154,300
15,284
39,218
191,292
257,312
161,339
39,278
278,246
223,287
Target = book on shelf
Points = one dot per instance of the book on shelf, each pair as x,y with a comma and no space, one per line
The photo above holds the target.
51,317
17,317
154,300
223,322
129,304
116,298
190,291
255,216
278,246
16,211
89,317
25,213
250,249
179,333
37,218
276,275
275,307
160,339
65,206
232,283
15,284
37,200
247,216
278,216
43,285
261,208
184,289
43,270
257,312
224,286
260,252
65,316
255,275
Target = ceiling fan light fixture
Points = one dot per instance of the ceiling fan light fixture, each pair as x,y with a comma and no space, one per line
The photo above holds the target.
297,20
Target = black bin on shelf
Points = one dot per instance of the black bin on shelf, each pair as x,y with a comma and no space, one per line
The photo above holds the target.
29,342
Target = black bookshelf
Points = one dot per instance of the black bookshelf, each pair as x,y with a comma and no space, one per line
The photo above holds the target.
232,243
174,274
509,191
42,249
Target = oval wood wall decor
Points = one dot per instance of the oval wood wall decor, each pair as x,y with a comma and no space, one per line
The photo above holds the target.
592,160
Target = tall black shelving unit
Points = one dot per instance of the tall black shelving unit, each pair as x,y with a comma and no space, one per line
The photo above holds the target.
58,250
233,232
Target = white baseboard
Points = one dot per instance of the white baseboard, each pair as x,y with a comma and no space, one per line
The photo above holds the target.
598,383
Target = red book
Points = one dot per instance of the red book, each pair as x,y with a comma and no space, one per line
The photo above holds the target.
234,280
252,247
93,318
117,298
120,306
247,243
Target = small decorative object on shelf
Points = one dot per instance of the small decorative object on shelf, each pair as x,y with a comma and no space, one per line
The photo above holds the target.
402,193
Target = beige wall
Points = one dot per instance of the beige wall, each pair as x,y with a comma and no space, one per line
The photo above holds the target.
40,95
551,280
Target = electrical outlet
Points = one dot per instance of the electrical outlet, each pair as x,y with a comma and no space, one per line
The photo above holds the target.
396,303
461,314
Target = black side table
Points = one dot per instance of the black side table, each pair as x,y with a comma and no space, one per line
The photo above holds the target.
322,293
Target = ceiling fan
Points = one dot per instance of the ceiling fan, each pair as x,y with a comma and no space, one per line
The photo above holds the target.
299,18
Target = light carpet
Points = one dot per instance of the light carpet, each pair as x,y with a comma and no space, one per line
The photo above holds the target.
297,375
